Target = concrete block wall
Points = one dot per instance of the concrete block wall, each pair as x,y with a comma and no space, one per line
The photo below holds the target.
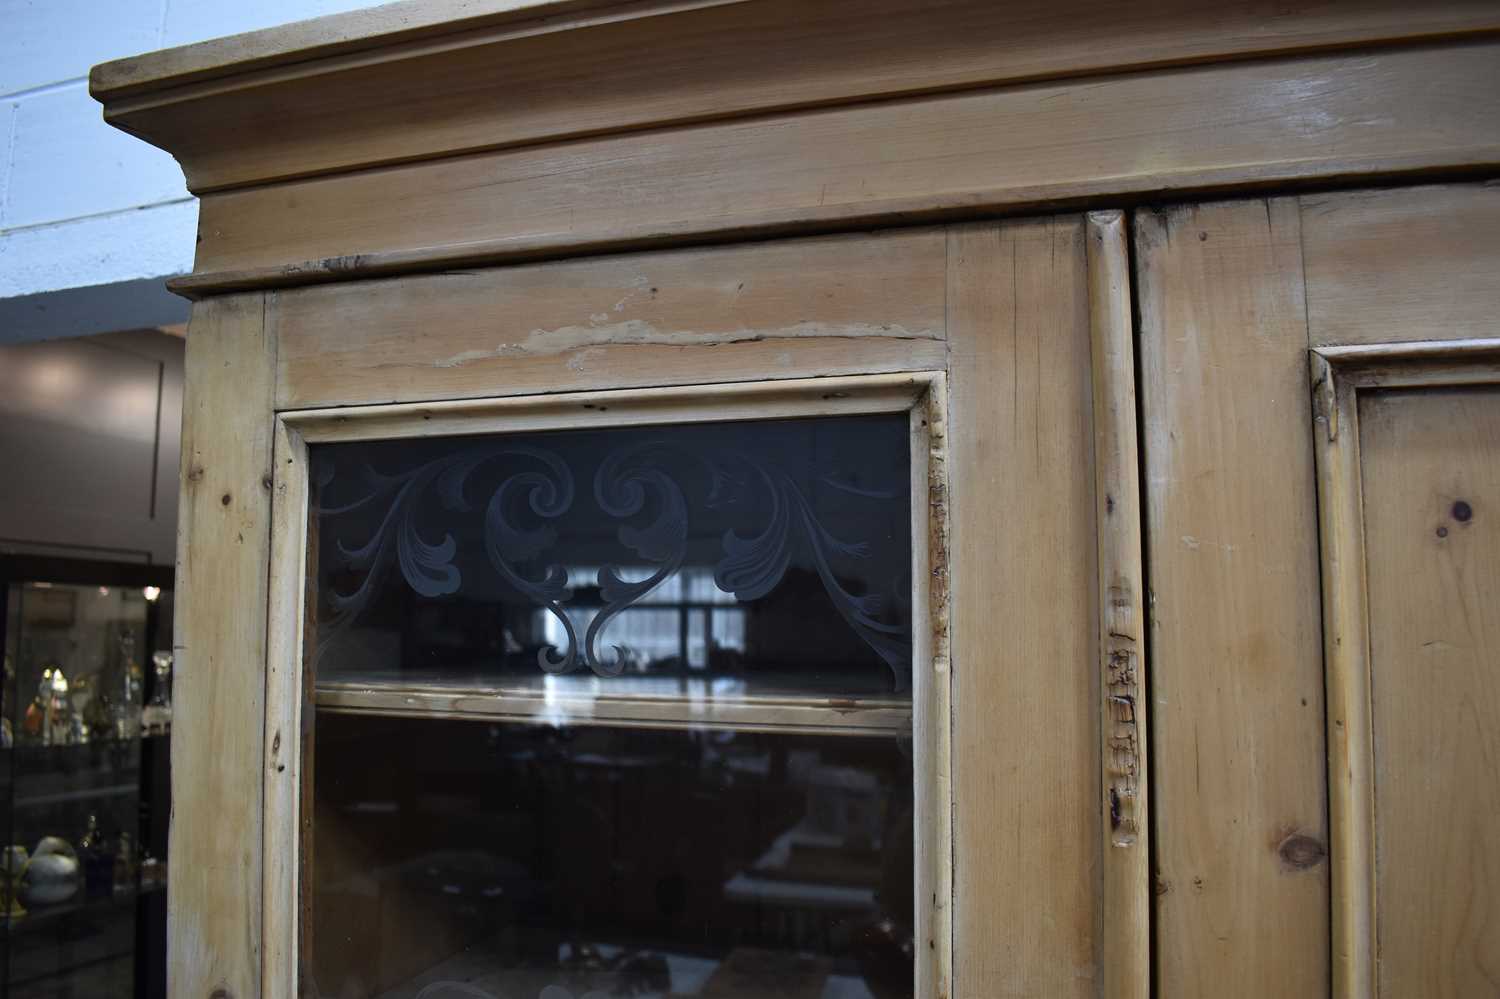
92,221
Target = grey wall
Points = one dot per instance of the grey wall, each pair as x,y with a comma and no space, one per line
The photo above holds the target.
90,435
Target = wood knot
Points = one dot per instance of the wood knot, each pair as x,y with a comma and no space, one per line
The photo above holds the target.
221,993
1299,852
1462,511
225,499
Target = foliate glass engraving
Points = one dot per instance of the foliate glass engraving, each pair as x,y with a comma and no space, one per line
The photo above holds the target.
776,551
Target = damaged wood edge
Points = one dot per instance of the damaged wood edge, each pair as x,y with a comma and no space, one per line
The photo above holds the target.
932,721
1126,930
281,839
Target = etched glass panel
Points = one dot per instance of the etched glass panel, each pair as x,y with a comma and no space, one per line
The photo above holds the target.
618,712
772,556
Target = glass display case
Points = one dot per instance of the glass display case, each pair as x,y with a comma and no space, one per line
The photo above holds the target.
83,777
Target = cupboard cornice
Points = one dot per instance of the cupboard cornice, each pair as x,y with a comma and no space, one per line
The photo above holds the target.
390,140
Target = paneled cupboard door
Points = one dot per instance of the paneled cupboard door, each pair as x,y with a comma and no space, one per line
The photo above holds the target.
720,622
1319,395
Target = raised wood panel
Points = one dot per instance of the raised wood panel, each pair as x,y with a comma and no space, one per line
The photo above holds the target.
846,305
1430,460
1408,435
1242,903
214,893
1415,263
1197,128
629,66
1027,828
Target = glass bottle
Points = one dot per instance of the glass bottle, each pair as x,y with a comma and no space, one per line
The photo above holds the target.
156,719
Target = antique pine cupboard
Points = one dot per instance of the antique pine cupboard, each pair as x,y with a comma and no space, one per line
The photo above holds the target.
838,498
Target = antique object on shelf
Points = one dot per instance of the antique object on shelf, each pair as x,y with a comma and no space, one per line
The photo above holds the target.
97,859
52,875
49,718
706,498
156,717
12,867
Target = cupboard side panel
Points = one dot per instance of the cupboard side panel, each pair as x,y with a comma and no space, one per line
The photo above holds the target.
214,893
1024,618
1238,765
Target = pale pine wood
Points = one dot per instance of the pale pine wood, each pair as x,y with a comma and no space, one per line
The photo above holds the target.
399,83
794,308
1236,645
1124,798
1411,362
770,400
1415,263
1434,643
932,706
1027,835
819,716
1351,793
214,893
382,25
1197,128
284,723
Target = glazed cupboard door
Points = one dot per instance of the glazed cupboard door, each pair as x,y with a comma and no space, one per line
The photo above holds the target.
719,622
1321,407
620,692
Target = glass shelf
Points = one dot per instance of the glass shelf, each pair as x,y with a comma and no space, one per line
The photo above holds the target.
40,917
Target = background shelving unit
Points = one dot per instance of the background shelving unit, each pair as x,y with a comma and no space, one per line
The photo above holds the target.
108,938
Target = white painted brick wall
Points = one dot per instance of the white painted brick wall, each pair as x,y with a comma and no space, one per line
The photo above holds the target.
82,204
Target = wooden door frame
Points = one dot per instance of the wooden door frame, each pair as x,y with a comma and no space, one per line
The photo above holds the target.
1339,375
288,704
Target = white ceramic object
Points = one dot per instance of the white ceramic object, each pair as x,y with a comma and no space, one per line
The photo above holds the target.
50,878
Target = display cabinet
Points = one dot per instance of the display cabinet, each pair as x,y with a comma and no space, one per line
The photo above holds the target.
86,721
839,501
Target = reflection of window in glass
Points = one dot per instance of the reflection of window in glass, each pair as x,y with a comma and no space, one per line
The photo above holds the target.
702,625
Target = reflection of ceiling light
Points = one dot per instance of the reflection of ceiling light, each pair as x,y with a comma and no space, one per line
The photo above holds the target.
151,593
54,377
104,591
